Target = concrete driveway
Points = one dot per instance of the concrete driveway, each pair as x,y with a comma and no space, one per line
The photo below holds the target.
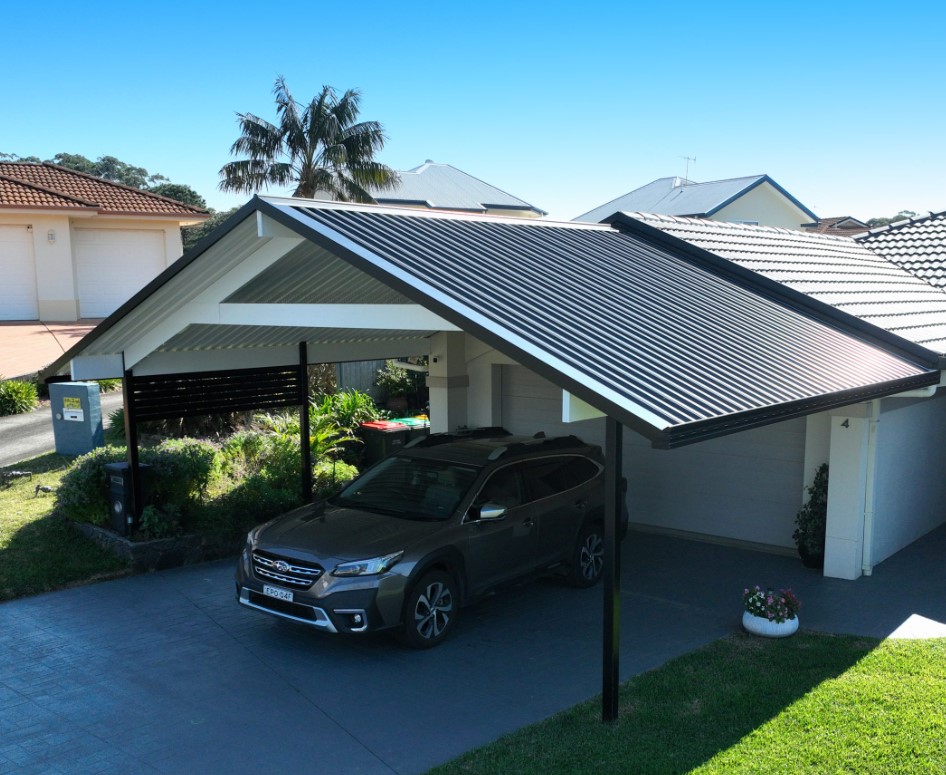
164,673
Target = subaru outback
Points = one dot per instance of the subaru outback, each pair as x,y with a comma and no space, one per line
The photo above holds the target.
430,529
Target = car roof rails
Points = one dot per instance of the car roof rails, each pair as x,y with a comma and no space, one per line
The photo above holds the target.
434,439
556,442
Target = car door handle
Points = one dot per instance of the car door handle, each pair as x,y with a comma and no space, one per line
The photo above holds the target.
581,503
528,522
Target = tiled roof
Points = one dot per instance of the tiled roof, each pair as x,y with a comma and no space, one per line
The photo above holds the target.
842,226
25,184
839,271
677,196
442,187
918,245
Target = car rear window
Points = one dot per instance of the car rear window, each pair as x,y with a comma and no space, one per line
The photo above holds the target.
554,475
409,487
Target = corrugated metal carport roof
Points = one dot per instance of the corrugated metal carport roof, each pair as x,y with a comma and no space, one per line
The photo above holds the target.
662,337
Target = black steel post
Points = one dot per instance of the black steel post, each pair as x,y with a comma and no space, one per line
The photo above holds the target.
614,494
304,423
131,439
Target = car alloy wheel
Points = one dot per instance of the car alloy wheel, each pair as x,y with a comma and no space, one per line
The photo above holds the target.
588,560
431,610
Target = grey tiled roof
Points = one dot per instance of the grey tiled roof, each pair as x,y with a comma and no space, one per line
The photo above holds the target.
676,196
442,187
918,245
839,271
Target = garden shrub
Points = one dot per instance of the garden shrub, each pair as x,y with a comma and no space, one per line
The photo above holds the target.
328,477
252,501
82,494
17,397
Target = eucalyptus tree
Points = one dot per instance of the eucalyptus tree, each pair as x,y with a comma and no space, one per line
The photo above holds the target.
319,148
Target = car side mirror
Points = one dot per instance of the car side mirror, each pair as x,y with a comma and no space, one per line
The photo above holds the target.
489,512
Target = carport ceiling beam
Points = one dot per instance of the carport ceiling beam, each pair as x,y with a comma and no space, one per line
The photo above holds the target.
176,320
397,317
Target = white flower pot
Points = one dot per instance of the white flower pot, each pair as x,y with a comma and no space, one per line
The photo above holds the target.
759,625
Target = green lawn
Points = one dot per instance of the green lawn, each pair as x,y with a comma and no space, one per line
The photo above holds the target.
38,551
811,703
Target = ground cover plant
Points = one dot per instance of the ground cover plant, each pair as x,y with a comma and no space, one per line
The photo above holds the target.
39,551
812,703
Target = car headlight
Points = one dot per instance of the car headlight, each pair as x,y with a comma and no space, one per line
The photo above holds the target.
371,567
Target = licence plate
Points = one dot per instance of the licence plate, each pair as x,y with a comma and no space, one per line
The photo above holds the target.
279,594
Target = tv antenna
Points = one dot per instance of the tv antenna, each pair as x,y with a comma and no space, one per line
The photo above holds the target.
686,176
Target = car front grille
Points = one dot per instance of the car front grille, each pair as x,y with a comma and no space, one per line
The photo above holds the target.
289,573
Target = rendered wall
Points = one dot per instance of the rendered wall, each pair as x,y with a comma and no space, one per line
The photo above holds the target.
910,474
746,487
765,205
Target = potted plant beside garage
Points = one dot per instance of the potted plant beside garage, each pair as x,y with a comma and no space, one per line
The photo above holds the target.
812,520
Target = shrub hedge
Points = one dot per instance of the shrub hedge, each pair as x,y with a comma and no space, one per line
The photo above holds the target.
17,397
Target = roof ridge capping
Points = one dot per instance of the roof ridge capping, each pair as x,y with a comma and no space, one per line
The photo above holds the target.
930,215
708,225
325,204
782,294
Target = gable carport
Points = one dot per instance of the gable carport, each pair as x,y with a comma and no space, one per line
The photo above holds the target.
675,344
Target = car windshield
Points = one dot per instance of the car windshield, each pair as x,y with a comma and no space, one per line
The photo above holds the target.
410,487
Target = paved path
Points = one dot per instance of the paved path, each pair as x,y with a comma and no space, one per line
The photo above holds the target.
28,346
23,436
165,673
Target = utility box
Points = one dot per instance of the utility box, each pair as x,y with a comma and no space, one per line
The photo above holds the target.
121,505
77,417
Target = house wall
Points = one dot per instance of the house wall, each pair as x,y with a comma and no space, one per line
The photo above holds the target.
745,488
910,474
56,286
765,205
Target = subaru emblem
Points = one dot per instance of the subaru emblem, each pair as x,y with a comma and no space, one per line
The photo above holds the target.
281,566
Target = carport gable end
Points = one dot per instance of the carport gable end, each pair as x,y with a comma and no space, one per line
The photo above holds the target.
692,355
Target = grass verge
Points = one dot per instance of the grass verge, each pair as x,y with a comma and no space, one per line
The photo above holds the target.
40,552
812,703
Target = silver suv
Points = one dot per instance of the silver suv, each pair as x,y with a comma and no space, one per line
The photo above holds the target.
428,530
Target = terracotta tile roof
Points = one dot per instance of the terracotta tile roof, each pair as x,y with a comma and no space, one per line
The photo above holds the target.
918,245
842,226
25,184
849,274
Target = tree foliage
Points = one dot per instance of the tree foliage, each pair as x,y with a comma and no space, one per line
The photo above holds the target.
320,148
903,215
117,171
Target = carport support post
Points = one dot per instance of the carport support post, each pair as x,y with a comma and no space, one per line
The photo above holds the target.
304,423
613,465
131,439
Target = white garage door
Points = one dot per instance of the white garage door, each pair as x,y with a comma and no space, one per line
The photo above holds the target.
114,264
746,487
18,274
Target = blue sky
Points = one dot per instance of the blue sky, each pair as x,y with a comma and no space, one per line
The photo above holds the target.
565,105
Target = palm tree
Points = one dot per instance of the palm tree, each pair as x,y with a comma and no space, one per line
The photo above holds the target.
319,147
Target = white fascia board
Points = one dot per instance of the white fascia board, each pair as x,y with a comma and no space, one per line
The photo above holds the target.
85,367
203,308
396,317
575,410
567,370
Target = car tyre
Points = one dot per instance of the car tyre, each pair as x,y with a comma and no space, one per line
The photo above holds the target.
430,611
588,558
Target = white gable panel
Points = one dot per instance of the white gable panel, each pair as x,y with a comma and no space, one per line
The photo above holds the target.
114,264
17,275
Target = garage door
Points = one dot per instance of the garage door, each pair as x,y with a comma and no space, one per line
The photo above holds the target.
18,270
112,265
745,487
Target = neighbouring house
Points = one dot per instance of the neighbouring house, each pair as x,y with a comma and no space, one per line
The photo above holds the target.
841,226
74,246
733,383
886,455
918,245
436,186
756,199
